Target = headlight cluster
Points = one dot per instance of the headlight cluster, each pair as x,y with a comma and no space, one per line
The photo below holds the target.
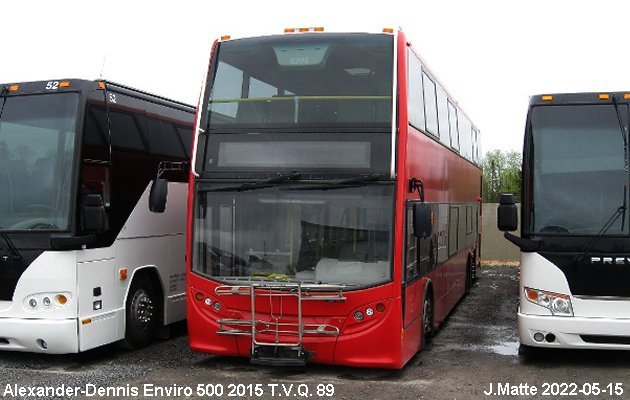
558,304
46,301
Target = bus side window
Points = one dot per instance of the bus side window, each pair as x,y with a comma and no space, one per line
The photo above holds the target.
162,133
95,166
185,135
414,83
453,230
442,105
454,131
430,105
95,155
411,253
125,132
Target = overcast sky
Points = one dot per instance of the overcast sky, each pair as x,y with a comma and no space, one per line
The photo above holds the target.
490,54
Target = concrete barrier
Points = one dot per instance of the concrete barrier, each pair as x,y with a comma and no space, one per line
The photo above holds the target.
494,247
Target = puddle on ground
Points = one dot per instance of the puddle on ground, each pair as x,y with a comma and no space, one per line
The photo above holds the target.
505,348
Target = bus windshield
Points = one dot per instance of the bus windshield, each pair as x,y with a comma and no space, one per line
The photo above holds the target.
318,80
293,232
37,134
580,170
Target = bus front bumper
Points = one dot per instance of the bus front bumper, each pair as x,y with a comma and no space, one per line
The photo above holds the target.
574,332
39,335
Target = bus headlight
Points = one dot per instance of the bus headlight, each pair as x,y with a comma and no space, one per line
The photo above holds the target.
46,301
558,304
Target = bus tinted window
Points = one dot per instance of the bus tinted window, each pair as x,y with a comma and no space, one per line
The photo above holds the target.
454,132
430,104
125,133
310,80
415,98
163,139
442,105
185,135
465,136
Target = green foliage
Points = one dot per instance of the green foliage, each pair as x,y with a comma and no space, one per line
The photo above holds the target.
501,174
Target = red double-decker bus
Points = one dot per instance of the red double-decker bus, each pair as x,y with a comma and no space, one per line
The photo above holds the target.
334,201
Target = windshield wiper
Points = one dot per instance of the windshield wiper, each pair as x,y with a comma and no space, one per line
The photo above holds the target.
259,184
621,211
10,247
624,133
3,90
345,183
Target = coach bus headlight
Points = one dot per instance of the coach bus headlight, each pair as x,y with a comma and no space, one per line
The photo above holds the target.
558,304
49,301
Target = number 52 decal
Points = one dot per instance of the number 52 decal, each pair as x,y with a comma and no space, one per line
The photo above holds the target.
52,85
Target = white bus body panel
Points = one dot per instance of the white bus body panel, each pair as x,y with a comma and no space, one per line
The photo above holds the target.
596,316
148,240
25,327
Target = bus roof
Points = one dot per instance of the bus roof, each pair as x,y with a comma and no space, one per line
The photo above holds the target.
579,98
59,85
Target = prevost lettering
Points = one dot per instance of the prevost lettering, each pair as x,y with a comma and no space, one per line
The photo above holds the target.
610,260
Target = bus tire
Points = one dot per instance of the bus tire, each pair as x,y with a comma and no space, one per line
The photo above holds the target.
469,275
428,319
141,314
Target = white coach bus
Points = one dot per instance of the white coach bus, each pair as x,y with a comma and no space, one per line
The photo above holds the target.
575,232
83,262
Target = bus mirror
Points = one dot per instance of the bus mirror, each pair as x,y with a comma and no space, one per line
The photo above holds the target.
422,220
157,196
93,213
507,219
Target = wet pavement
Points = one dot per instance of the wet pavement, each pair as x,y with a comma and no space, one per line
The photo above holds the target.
475,355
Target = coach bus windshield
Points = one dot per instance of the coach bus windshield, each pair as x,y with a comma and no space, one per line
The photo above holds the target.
37,134
293,232
580,170
317,80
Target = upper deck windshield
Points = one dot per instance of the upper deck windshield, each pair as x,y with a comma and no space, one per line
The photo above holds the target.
306,80
293,232
580,170
37,134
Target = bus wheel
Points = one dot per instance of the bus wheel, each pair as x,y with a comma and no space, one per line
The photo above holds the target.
469,274
141,315
428,326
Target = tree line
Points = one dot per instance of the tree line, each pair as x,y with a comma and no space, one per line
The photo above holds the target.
501,174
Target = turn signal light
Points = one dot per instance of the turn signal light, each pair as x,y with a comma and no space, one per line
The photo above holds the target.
61,299
122,274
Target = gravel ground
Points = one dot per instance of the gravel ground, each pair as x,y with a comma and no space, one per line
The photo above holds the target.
476,348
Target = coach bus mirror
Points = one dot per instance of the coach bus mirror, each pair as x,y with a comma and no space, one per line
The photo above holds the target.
507,219
93,214
157,196
422,220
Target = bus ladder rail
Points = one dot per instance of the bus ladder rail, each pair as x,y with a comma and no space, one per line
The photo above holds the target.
279,352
